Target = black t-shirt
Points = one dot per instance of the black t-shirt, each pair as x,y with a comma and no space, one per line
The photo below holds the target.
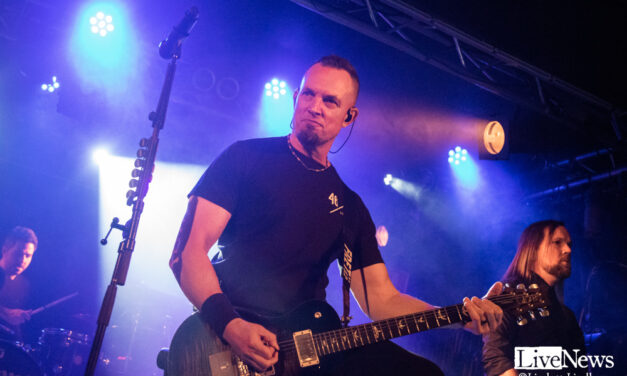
560,328
13,294
285,224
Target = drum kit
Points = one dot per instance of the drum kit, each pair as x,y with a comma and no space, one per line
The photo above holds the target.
135,337
58,352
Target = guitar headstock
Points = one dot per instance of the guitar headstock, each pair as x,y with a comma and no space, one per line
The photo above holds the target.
524,302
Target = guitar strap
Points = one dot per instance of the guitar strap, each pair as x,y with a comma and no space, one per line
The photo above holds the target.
347,262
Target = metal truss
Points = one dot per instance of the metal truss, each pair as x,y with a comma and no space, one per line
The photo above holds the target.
449,49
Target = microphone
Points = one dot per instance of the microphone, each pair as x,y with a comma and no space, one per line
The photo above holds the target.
172,44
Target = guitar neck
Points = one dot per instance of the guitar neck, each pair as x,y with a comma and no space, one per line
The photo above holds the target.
361,335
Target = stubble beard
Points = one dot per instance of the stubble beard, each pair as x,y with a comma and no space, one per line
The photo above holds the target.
561,270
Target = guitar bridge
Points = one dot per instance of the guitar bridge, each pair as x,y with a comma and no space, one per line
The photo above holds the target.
305,349
244,369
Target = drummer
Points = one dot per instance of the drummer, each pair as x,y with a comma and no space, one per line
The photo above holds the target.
16,255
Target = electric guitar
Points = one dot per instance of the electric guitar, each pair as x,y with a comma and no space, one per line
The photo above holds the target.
312,339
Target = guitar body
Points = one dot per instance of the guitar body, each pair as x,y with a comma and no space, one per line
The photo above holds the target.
197,351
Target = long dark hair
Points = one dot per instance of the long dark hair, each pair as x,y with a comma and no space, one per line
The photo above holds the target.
522,265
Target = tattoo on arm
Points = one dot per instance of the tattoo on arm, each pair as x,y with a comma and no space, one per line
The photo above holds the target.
176,261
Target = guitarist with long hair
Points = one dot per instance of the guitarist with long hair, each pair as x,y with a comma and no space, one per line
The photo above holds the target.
542,257
280,213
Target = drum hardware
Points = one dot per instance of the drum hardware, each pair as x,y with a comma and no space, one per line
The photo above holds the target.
16,360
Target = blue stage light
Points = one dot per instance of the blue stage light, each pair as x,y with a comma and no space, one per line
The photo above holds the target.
457,155
387,180
51,87
275,88
105,56
101,24
463,168
276,108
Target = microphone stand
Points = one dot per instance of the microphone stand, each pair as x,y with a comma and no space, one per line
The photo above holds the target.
144,167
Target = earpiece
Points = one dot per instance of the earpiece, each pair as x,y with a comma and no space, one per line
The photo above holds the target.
349,116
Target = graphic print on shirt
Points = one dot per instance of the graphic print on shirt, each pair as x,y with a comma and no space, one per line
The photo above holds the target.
335,205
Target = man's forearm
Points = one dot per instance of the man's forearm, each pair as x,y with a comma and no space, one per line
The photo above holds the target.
201,227
397,305
198,279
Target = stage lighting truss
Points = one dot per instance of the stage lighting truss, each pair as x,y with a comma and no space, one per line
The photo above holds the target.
51,87
101,24
457,156
275,88
401,25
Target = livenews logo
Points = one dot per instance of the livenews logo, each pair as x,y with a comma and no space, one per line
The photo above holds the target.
556,358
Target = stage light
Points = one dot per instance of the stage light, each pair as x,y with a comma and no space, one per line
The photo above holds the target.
100,155
276,110
464,168
105,55
275,88
388,179
405,188
382,236
457,155
51,87
492,141
101,24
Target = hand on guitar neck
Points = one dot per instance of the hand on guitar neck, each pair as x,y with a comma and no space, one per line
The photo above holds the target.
253,343
485,315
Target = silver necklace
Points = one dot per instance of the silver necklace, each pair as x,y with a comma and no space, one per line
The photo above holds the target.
289,144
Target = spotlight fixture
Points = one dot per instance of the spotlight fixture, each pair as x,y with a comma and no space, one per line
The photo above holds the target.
50,88
275,88
101,24
388,179
100,155
457,155
493,142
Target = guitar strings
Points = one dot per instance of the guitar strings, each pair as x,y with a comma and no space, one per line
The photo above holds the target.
389,324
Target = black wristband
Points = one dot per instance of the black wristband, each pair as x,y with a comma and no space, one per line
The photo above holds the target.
217,311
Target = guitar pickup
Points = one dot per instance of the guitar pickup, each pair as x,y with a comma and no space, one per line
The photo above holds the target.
305,348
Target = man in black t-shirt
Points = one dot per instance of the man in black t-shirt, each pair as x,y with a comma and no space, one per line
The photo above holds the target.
278,207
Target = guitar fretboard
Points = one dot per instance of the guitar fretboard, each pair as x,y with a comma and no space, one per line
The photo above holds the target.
361,335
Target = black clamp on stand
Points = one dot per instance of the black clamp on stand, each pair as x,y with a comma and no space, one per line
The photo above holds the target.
170,48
